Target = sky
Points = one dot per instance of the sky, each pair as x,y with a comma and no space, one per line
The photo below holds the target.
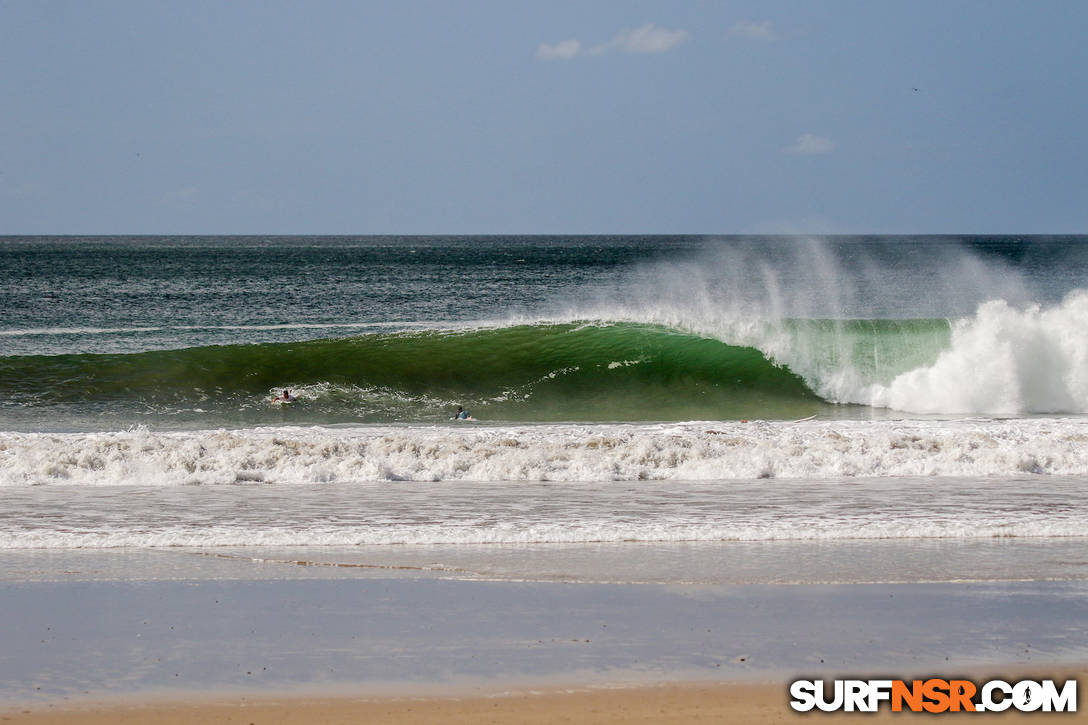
557,117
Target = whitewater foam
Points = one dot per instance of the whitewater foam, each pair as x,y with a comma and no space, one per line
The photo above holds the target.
519,533
692,451
405,513
1004,361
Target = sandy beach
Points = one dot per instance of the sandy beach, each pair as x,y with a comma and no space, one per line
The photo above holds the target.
662,704
756,703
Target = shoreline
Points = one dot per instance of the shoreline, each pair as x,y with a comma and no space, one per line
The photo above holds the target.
80,641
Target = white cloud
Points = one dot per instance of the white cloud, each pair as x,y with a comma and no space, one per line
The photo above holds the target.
563,50
809,144
754,31
648,39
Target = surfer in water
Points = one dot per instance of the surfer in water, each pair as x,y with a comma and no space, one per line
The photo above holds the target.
461,414
285,398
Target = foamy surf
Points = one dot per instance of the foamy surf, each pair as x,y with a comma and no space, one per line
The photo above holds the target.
689,451
422,515
1003,360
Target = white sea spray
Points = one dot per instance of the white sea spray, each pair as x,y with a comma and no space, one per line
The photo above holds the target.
800,306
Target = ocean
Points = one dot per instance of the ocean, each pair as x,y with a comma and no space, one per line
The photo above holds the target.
625,391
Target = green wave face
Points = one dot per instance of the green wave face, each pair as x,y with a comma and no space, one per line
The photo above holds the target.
823,352
544,372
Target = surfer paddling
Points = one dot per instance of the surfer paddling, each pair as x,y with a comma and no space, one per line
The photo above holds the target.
461,414
285,398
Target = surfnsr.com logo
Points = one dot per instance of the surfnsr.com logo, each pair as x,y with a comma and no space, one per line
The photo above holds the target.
933,695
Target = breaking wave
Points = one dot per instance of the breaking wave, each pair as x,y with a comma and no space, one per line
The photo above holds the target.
1003,360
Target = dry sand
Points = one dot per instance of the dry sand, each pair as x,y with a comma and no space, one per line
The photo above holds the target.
678,703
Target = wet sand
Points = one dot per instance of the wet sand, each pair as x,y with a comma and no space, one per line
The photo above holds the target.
228,641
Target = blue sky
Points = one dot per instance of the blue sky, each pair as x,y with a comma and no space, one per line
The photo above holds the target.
406,117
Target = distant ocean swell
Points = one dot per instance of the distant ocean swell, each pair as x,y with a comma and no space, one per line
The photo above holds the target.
706,451
1002,360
